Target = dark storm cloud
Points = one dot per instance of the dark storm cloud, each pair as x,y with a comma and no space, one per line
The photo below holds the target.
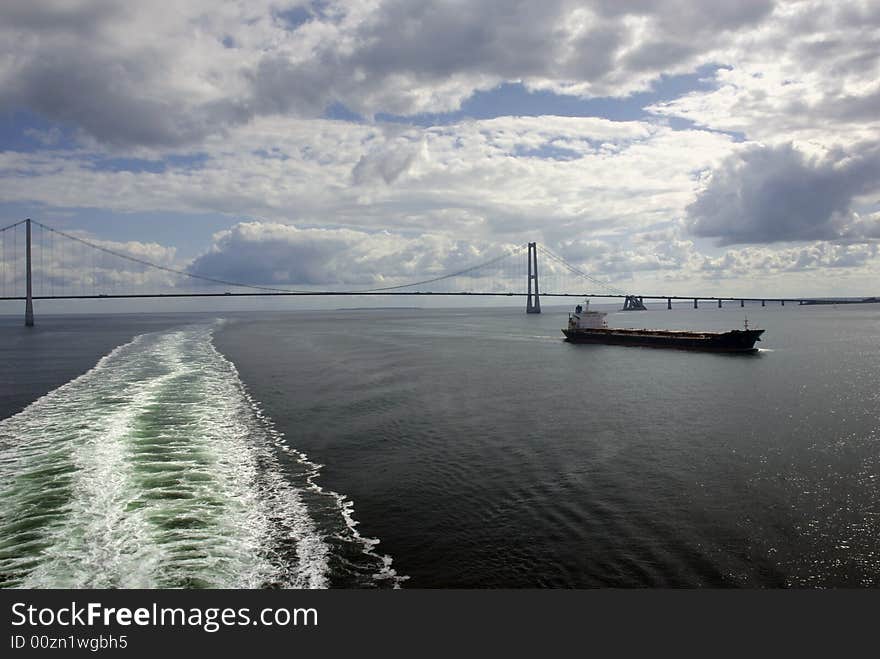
774,194
75,61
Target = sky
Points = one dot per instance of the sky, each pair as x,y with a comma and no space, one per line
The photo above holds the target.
669,147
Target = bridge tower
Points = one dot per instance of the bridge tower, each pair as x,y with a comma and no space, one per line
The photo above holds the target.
29,299
533,274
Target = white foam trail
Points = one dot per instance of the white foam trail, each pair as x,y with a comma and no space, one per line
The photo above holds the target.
384,573
153,469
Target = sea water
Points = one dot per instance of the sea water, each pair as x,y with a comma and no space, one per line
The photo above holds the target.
438,448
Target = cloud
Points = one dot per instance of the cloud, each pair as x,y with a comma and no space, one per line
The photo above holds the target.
484,180
62,266
753,261
89,92
207,107
766,194
614,260
389,161
128,74
122,73
267,253
809,73
281,254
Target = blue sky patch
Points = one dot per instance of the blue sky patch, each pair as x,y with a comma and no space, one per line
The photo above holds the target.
294,17
339,112
141,165
25,131
548,150
191,232
514,99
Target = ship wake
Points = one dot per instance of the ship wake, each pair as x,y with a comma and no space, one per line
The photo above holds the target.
156,469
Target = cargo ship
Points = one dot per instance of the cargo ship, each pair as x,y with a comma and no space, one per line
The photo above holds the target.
585,326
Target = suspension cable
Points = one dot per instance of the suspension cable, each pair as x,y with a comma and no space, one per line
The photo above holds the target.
175,271
446,276
580,272
12,226
106,250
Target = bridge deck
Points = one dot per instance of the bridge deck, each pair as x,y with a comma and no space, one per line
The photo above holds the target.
689,298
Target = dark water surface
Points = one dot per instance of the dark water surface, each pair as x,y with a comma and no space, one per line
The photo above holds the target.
476,445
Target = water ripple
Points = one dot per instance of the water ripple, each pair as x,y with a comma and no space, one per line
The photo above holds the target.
157,469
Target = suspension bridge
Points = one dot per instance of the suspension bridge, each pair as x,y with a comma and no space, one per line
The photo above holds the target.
40,262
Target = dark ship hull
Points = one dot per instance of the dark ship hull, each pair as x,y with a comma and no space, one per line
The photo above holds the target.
732,341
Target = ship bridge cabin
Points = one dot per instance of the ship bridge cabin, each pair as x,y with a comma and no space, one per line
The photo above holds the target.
583,318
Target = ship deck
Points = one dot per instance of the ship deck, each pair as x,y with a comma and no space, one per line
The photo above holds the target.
687,334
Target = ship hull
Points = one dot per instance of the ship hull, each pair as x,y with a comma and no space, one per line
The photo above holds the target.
732,341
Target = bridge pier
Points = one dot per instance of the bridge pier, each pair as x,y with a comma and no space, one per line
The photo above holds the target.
29,298
719,302
669,303
763,303
783,302
634,303
696,305
742,303
533,307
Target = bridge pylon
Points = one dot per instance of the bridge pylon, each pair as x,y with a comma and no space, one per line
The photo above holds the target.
533,307
29,297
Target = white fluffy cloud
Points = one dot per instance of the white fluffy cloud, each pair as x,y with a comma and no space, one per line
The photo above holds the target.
470,178
271,253
226,99
277,254
808,73
142,74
